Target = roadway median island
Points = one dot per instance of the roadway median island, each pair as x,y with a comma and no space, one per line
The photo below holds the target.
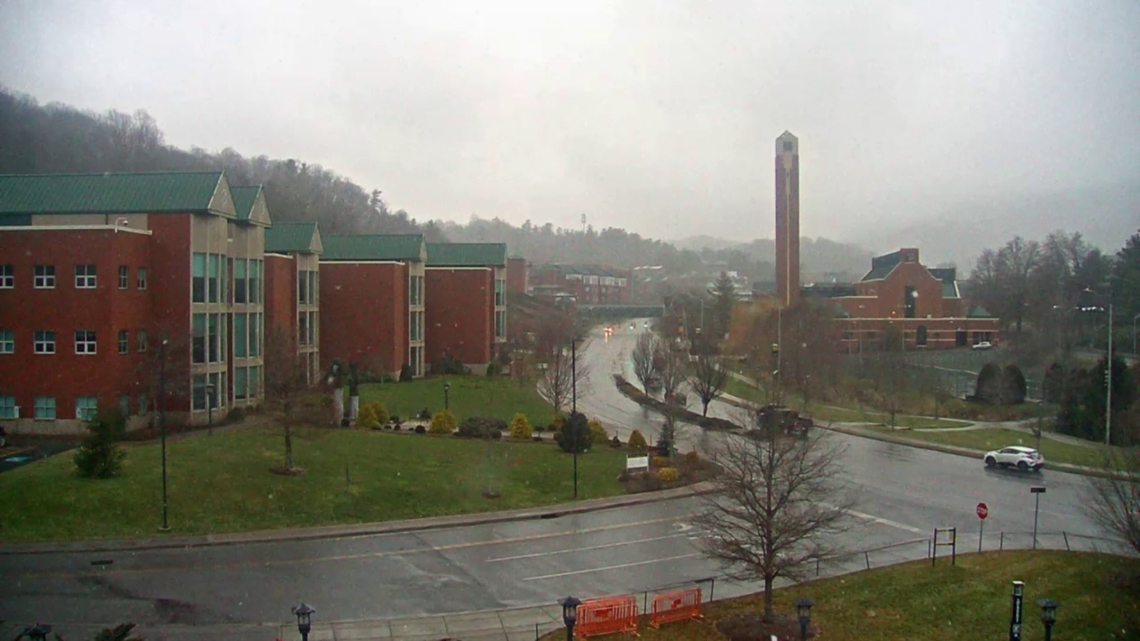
641,398
966,601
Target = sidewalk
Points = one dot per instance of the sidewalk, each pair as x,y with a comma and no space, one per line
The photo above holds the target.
334,531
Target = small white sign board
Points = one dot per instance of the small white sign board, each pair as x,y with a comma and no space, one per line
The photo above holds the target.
636,462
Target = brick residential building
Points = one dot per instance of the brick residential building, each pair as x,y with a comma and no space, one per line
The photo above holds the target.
466,298
372,301
585,284
923,303
100,274
516,275
292,291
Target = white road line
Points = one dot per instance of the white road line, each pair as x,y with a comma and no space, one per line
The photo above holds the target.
901,526
612,567
592,547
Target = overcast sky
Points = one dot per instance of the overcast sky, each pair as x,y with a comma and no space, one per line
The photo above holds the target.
659,117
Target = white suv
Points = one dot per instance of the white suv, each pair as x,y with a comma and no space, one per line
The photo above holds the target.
1023,458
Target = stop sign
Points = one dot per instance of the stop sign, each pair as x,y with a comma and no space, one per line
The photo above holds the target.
983,511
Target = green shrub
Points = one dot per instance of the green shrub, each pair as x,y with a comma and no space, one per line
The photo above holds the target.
366,417
442,423
98,457
692,457
557,423
520,427
406,374
449,365
482,427
236,415
659,462
667,474
494,369
598,432
381,412
575,433
637,442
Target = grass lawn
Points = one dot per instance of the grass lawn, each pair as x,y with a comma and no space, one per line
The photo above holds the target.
222,483
992,439
825,413
966,602
469,396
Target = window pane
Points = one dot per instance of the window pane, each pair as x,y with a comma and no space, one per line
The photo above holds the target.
239,336
240,382
212,339
198,280
213,279
199,392
124,276
142,278
7,341
239,280
198,331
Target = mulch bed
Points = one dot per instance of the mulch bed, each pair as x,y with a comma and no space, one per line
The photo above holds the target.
691,471
752,627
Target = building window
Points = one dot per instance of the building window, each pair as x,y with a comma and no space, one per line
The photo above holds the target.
787,145
85,408
500,292
7,277
143,404
124,277
240,337
241,383
212,355
198,278
303,328
909,300
124,341
313,328
303,288
416,290
141,278
45,277
239,279
198,338
7,341
125,405
254,382
255,281
920,336
255,334
85,277
501,324
198,394
8,407
415,329
45,408
142,340
84,341
44,342
212,280
314,285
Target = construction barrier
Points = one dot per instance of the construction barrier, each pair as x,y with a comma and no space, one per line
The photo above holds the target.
606,616
676,606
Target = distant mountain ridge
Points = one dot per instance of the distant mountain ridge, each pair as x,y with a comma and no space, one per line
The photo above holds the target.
818,257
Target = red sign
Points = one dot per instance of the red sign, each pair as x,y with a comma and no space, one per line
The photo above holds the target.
983,511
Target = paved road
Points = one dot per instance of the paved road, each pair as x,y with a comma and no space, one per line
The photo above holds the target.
905,493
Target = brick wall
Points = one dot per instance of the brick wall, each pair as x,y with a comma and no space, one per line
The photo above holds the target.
280,296
459,315
364,314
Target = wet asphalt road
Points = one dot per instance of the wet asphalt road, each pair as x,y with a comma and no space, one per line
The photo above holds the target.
905,493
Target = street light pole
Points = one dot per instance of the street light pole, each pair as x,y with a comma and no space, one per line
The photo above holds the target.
1108,383
574,405
162,428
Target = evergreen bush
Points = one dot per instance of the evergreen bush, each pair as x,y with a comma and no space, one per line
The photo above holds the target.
575,433
637,442
598,432
442,423
520,427
99,457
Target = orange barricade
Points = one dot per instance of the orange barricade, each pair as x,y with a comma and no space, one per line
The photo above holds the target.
606,616
676,606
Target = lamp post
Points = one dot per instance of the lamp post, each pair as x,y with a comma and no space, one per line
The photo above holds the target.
1107,371
1048,616
803,613
569,614
210,391
574,405
304,619
446,395
165,527
37,632
1037,492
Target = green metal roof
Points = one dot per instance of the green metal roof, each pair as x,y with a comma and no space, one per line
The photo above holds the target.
374,247
283,238
980,312
467,254
114,193
244,198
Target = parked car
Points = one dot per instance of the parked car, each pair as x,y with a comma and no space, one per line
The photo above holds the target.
983,345
1023,458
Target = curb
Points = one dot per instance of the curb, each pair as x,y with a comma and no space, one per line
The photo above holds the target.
363,529
963,451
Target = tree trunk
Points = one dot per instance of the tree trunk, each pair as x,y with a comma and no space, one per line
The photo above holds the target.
288,445
705,405
769,613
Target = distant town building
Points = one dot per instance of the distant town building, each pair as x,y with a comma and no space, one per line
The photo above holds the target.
582,284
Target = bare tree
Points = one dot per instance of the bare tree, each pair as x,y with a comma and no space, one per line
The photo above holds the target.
284,385
558,368
647,358
674,370
708,380
1114,502
779,497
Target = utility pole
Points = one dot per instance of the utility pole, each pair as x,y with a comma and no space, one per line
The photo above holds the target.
574,403
162,429
1108,383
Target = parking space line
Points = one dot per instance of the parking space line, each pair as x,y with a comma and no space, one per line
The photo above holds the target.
895,524
612,567
591,547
